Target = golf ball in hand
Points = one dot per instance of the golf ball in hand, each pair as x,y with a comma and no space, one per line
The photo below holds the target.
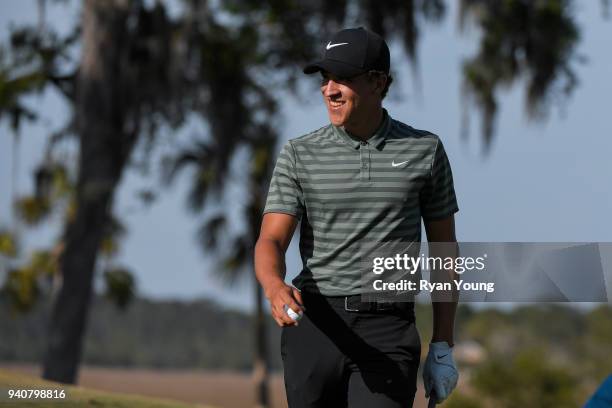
292,314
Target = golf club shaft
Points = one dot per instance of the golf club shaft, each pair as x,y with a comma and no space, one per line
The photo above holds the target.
432,400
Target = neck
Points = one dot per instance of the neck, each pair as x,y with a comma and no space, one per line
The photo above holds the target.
367,125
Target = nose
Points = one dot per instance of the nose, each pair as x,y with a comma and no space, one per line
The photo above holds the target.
330,88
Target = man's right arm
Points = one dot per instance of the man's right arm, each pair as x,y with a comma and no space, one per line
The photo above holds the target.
276,232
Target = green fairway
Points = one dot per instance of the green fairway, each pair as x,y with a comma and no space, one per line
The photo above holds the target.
75,396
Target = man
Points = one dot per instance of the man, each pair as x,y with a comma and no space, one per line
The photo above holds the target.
362,179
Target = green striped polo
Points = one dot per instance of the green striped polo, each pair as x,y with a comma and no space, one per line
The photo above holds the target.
351,195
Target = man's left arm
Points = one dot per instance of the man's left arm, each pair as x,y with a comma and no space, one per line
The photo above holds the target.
438,205
444,303
440,373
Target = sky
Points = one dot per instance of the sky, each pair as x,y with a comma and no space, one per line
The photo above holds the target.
540,182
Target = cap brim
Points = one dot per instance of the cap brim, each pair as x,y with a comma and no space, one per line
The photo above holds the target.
333,67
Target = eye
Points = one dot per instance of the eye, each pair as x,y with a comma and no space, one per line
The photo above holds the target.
339,80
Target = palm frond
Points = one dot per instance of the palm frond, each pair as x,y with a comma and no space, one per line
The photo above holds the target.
232,265
210,234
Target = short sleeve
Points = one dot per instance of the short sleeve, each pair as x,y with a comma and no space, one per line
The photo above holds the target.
437,197
285,193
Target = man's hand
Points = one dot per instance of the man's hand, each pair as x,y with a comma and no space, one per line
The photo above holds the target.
281,295
440,372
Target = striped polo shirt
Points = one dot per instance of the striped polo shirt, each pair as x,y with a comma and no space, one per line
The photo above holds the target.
353,195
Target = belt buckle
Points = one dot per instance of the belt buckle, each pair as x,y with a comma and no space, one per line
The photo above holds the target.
346,308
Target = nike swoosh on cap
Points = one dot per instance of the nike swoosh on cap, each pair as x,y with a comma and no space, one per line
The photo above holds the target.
330,45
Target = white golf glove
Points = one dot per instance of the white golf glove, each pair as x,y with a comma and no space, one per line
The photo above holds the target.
440,372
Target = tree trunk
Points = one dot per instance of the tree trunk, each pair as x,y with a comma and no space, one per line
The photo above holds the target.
100,116
261,363
260,367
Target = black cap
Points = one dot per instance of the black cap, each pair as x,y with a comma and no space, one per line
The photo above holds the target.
351,52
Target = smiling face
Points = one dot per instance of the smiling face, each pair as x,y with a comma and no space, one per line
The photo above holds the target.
350,102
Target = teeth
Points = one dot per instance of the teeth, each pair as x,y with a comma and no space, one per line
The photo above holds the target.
336,104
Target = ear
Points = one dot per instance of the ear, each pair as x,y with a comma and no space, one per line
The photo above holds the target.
380,81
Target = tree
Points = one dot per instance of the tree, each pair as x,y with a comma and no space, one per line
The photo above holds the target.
535,40
528,380
125,84
110,98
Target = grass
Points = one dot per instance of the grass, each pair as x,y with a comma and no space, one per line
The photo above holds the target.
76,396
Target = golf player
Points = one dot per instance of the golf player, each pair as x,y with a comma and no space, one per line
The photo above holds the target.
363,178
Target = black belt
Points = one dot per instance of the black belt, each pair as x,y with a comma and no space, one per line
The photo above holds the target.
356,303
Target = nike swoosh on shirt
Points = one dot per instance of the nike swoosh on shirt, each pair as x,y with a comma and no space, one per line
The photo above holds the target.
394,164
330,45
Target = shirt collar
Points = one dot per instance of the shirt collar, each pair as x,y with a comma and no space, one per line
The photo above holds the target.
376,139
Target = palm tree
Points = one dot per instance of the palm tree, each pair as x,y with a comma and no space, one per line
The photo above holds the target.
233,125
